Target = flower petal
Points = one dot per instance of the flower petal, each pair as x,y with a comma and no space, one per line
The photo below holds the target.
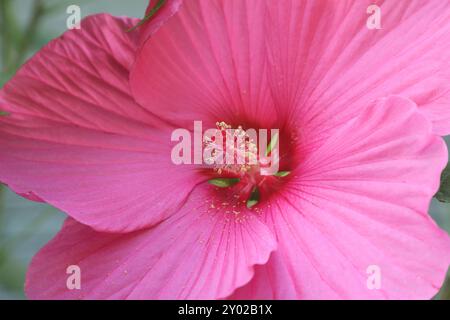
207,63
322,54
195,254
165,12
361,200
76,139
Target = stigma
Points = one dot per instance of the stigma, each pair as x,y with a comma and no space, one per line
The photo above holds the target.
241,161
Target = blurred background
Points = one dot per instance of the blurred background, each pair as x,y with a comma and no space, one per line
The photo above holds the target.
25,226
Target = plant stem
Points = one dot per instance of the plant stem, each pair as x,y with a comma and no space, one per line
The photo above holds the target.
29,34
6,18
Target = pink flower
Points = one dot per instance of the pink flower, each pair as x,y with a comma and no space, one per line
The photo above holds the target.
88,131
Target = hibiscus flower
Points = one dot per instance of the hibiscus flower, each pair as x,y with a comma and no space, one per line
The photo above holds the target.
89,128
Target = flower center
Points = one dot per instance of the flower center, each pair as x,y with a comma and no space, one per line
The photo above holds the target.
245,163
235,153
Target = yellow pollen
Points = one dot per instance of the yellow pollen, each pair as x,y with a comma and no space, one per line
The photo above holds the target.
243,151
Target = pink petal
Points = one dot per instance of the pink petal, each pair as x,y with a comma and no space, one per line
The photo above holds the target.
165,12
31,196
207,63
211,60
76,139
321,53
361,200
195,254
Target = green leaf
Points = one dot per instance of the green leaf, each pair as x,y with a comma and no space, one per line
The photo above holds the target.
272,144
224,182
282,174
254,198
149,15
3,113
443,194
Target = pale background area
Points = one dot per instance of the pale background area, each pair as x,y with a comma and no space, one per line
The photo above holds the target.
26,226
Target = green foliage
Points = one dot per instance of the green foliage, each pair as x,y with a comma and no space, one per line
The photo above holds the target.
443,194
254,198
224,182
282,174
151,13
17,41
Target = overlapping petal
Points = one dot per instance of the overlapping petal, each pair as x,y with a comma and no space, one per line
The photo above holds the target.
207,63
162,11
235,59
361,200
324,60
76,138
198,253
